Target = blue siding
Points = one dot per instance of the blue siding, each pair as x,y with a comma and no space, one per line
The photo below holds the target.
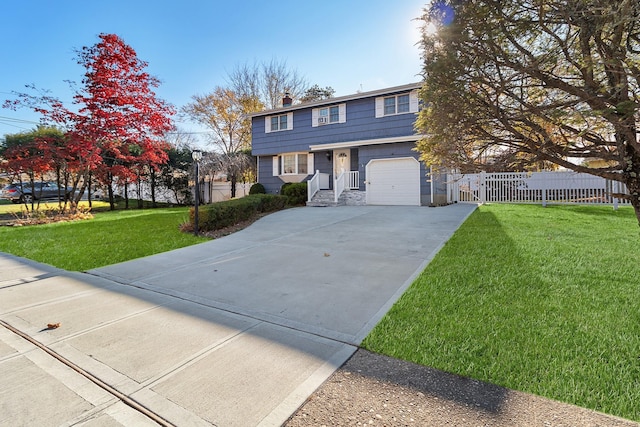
265,175
361,124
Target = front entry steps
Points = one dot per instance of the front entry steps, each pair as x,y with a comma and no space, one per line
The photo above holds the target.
325,198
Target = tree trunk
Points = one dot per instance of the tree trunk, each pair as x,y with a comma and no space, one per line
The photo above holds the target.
62,192
153,188
126,194
636,208
112,205
632,174
89,192
85,176
139,190
633,186
234,180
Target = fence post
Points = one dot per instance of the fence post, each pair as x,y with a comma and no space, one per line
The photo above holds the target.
483,187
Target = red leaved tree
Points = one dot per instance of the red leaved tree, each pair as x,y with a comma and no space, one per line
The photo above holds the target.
116,108
120,108
32,155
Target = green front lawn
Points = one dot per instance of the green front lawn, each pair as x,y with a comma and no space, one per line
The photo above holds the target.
543,300
110,237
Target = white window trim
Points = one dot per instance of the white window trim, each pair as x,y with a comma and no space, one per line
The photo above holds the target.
267,122
413,104
278,164
342,115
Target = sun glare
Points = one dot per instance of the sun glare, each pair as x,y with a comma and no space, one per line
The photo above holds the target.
430,29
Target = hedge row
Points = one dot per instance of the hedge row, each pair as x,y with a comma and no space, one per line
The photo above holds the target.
225,214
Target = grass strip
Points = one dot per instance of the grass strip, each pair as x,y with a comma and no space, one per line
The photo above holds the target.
542,300
109,238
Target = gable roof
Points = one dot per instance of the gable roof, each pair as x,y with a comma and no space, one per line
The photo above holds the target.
332,101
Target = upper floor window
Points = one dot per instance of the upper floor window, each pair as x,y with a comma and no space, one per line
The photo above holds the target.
328,115
279,122
397,104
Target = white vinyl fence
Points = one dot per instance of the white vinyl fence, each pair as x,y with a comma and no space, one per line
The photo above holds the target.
210,192
534,187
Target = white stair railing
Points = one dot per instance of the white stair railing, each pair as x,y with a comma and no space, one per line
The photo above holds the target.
354,180
313,186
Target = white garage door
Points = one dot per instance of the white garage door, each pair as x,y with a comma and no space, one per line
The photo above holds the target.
393,182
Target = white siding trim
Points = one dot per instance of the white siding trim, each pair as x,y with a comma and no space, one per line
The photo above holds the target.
314,117
290,120
379,107
267,124
413,101
347,144
342,111
310,165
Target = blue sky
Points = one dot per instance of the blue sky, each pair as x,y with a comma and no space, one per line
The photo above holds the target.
192,45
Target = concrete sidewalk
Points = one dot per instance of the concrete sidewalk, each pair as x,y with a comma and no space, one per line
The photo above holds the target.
238,331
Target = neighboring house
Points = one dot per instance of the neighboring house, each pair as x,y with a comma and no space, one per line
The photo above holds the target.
363,143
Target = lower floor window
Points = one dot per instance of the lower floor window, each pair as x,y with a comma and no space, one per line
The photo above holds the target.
294,164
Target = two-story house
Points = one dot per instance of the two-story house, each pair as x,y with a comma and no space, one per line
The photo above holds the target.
360,144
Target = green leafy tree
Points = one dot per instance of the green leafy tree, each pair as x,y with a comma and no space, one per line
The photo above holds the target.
174,174
316,93
225,114
554,81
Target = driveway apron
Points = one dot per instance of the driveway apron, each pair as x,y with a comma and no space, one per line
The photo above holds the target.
237,331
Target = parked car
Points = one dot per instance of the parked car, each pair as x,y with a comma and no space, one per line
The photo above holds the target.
22,193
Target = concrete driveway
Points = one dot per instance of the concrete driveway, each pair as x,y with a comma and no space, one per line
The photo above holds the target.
238,331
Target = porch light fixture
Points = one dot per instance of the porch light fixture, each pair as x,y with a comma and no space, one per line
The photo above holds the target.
196,155
328,155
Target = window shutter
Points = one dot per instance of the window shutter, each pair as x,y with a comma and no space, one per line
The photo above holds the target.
379,107
310,164
267,124
289,121
342,111
413,101
314,118
276,170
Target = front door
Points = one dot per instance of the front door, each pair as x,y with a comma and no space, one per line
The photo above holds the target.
341,161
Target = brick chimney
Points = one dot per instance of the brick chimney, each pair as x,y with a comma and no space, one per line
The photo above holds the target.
287,101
